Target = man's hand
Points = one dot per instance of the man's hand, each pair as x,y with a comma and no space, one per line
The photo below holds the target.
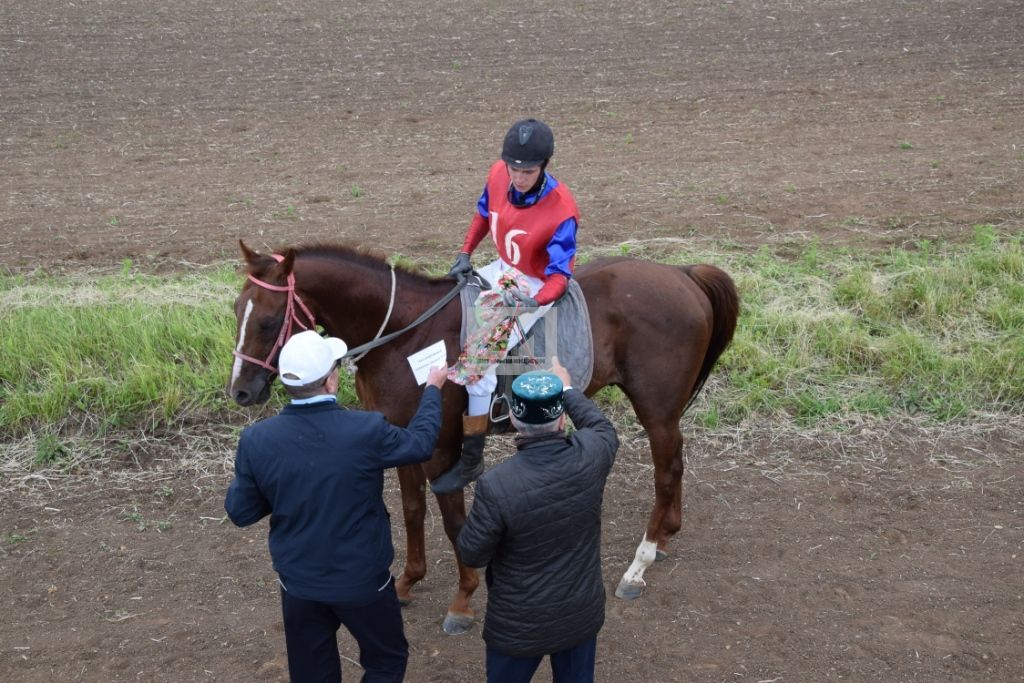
559,371
462,267
437,376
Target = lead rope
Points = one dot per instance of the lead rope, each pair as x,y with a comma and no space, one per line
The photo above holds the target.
387,318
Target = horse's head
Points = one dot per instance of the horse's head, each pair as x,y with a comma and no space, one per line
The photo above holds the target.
267,310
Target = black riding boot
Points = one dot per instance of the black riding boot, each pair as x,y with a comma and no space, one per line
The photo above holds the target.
471,463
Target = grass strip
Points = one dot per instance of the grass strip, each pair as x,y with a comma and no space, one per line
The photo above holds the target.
933,330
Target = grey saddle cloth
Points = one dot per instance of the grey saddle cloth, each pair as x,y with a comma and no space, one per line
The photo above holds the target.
568,322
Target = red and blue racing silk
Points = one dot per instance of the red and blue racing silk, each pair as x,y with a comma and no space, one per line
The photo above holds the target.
534,232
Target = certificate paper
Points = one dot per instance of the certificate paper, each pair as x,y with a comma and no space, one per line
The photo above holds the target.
431,357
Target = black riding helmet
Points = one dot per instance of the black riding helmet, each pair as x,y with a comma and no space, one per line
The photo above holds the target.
528,143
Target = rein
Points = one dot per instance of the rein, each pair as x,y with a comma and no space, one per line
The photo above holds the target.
387,318
363,349
291,319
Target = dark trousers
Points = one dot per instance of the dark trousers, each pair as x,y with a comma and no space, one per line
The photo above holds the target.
311,635
575,665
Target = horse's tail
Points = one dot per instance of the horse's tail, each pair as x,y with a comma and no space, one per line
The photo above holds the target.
725,306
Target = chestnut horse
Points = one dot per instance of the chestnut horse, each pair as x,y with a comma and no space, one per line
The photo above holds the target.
657,332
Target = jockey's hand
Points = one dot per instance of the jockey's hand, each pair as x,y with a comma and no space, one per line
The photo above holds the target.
462,267
515,298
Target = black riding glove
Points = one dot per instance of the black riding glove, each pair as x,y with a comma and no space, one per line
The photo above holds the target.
462,267
515,298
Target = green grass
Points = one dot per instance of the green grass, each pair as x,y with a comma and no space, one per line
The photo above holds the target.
16,538
826,334
129,350
935,331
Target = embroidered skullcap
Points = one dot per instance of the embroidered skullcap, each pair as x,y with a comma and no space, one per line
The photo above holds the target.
536,397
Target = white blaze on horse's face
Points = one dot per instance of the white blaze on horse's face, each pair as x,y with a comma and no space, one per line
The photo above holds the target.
236,369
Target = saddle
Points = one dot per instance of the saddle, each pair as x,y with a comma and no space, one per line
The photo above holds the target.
563,331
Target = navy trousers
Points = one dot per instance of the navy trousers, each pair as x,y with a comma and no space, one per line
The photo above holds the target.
575,665
311,635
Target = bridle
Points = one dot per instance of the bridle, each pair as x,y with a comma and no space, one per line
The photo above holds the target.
291,317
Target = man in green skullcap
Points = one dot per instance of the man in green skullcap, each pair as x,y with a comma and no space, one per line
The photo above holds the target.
536,525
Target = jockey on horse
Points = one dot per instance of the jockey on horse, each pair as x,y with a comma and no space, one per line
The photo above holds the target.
532,219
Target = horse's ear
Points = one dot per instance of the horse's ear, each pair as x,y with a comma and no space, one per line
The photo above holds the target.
256,262
250,256
288,262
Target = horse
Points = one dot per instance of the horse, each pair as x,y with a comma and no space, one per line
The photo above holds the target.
658,331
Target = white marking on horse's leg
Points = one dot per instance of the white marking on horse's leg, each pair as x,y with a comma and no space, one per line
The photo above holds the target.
632,582
645,554
236,369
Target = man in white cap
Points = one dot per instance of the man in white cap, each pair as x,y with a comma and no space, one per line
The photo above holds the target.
318,470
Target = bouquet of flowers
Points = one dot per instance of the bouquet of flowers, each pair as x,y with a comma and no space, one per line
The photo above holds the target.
488,344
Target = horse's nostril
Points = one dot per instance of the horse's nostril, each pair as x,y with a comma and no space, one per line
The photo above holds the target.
241,396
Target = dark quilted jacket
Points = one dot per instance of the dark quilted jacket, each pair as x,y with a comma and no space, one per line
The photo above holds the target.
536,525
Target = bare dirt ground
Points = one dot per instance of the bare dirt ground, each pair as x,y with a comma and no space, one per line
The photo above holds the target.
881,554
163,133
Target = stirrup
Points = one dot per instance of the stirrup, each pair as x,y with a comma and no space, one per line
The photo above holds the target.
499,401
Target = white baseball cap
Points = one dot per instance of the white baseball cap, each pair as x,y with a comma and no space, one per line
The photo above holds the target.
307,357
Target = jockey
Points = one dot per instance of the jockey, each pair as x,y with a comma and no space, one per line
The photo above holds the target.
532,219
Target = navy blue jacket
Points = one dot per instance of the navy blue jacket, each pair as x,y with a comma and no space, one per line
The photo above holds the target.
318,471
536,525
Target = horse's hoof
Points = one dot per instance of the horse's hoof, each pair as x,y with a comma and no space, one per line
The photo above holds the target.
457,624
629,591
660,555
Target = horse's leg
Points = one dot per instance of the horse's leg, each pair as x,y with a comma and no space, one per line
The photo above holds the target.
460,614
414,509
672,520
666,451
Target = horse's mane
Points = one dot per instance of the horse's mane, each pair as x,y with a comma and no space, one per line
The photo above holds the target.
345,253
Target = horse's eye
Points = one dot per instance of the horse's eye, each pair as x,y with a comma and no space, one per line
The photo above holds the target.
269,325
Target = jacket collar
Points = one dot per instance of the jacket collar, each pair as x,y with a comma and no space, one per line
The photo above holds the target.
321,398
524,442
310,407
